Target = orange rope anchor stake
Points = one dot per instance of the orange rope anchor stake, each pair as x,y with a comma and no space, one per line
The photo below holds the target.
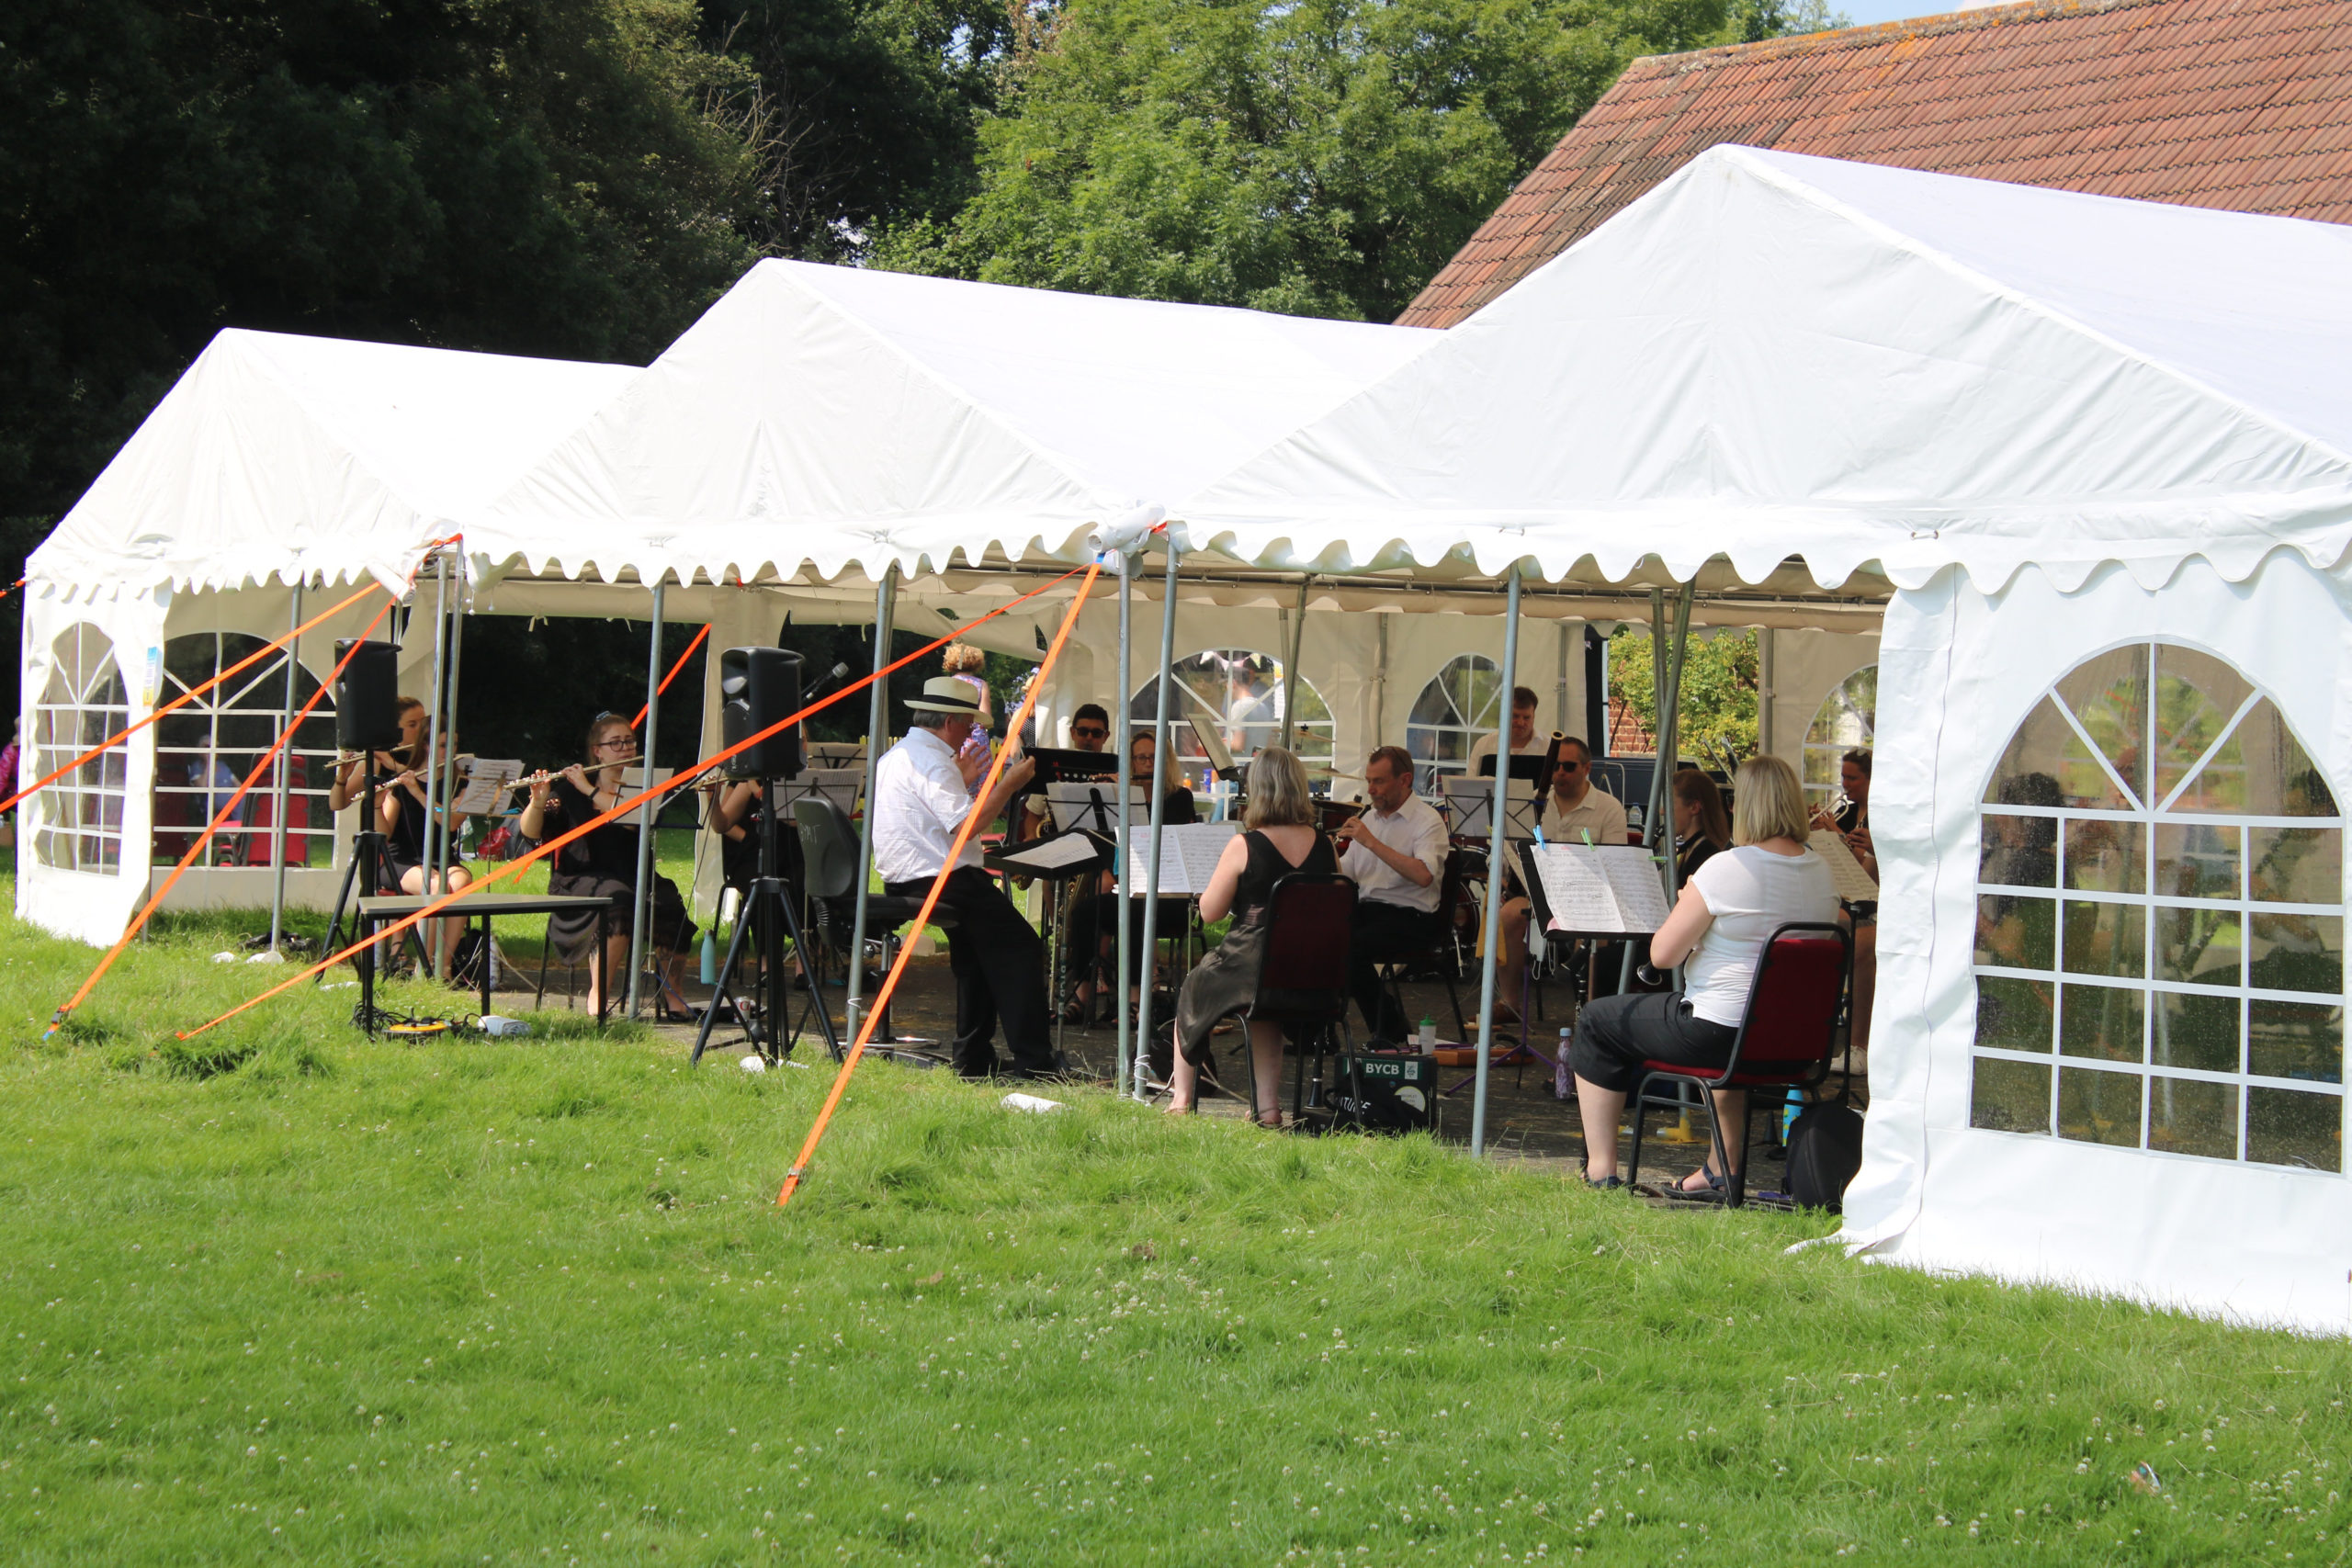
874,1013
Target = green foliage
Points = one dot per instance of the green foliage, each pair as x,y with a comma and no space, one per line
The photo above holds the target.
534,177
1719,682
443,1302
1320,157
1753,21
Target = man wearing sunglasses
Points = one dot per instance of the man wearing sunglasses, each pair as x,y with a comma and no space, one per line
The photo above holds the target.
1089,727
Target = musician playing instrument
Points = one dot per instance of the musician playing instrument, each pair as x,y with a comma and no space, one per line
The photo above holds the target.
1093,929
920,802
602,863
400,812
1279,836
1396,852
1523,742
1575,811
350,780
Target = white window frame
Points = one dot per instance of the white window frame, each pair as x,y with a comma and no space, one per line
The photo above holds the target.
1421,738
1313,738
1838,705
2148,988
78,819
252,701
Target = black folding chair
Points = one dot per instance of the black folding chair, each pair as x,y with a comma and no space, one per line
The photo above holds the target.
1303,984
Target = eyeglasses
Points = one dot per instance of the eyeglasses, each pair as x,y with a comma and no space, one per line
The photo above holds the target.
1089,731
615,740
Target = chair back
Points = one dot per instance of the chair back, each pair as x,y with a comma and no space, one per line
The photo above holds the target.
1309,919
1790,1028
828,848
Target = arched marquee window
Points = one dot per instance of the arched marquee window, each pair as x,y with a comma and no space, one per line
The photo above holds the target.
1241,692
206,749
78,821
2160,921
1462,703
1847,719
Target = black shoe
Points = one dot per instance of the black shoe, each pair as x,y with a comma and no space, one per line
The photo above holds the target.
1606,1184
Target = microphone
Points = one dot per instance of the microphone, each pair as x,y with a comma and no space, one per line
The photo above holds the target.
831,678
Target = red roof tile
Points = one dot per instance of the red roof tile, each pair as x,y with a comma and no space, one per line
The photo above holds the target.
2237,104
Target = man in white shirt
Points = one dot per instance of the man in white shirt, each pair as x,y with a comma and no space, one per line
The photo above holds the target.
920,802
1396,852
1523,731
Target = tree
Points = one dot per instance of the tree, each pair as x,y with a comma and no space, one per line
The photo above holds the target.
1312,156
1719,683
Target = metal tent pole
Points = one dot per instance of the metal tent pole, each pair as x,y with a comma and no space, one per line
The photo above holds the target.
432,743
1660,717
1290,668
1671,746
449,766
285,761
1158,810
878,717
1494,851
1123,733
639,906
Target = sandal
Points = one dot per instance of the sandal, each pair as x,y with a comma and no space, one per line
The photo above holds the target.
1715,1192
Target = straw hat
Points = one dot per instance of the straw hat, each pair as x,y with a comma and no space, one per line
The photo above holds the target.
946,694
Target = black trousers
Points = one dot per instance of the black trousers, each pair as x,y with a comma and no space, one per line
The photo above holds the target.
1616,1034
998,963
1384,932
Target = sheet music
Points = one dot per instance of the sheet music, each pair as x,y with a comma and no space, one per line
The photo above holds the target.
639,778
486,782
1188,854
1846,872
1604,887
836,753
1051,854
1212,746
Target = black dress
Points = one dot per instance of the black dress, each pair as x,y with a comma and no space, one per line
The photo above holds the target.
1226,980
602,864
404,846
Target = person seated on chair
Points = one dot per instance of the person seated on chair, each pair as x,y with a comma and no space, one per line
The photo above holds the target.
1093,928
1575,811
1523,731
1731,907
412,852
1089,727
602,864
1279,836
1701,825
920,802
350,779
1396,852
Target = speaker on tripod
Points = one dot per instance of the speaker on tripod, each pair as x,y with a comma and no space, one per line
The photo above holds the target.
368,696
759,687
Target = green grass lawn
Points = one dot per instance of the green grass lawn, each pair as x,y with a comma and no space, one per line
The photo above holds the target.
284,1295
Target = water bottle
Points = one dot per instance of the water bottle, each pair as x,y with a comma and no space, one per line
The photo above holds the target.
710,955
1563,1078
1426,1035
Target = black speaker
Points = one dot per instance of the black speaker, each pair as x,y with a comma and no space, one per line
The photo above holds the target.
368,696
757,686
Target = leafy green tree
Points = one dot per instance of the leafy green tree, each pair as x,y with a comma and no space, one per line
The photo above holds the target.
1312,156
1719,683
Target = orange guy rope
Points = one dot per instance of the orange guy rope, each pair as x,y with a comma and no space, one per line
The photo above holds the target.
192,694
874,1013
620,808
672,675
210,828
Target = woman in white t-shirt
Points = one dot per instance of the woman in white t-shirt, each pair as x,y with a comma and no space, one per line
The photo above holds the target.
1729,907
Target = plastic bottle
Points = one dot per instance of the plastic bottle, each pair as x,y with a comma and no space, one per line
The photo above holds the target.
710,955
1563,1079
1425,1036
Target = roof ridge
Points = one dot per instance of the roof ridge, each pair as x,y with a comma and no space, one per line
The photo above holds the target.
1877,33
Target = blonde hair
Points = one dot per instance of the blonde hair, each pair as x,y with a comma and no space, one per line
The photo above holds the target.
1277,790
1767,803
962,657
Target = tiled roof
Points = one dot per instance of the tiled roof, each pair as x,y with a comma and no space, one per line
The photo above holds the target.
2243,104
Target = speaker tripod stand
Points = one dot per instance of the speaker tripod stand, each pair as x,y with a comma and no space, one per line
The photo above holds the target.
366,872
768,909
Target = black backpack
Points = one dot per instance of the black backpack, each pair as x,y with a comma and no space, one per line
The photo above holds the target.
1825,1151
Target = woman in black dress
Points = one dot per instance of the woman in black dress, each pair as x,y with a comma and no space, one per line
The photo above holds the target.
1280,837
1701,825
602,864
400,817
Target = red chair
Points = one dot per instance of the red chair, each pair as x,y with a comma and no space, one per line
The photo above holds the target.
1303,984
1786,1039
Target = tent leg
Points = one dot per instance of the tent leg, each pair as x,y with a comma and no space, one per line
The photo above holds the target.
1159,818
278,803
1496,846
435,724
449,767
641,906
1122,736
878,715
1290,667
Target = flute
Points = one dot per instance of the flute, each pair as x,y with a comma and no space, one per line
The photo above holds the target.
547,775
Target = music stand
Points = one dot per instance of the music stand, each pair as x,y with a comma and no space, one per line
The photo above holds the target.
769,905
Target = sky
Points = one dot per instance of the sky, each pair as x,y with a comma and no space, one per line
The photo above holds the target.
1865,12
